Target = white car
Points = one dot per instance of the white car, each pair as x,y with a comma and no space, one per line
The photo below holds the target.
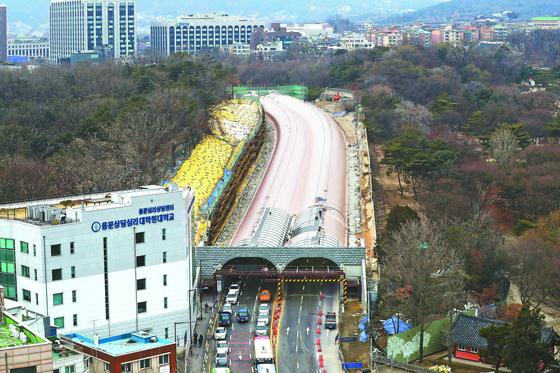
263,319
222,359
264,309
231,298
235,287
220,333
228,308
261,329
222,346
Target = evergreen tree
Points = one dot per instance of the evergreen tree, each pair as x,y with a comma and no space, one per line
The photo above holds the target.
521,135
524,351
497,339
398,216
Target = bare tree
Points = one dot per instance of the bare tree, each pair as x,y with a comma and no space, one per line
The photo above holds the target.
421,272
504,145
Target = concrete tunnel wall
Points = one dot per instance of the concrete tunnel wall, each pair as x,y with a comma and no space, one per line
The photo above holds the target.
348,258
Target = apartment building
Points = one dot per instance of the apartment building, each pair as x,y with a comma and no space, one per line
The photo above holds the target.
546,23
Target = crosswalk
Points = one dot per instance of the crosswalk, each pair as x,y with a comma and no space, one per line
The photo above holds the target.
241,352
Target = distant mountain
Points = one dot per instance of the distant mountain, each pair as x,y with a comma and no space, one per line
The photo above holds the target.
471,8
35,12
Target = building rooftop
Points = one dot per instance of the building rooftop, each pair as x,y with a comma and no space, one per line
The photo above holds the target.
25,335
545,19
122,344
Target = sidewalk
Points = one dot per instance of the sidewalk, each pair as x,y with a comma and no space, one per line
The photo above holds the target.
195,361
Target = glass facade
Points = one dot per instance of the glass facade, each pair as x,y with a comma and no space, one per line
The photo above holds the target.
8,268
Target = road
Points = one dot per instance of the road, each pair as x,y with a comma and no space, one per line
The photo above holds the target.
297,347
240,335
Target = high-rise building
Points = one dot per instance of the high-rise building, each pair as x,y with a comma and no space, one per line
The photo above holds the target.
117,264
85,25
194,33
3,34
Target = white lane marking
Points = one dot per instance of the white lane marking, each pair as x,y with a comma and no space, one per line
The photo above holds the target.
297,334
232,326
296,349
327,331
303,287
250,330
297,364
287,330
241,293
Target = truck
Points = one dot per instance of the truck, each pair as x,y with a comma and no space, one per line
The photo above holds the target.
330,320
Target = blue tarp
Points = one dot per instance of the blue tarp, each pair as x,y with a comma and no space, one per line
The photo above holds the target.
363,323
394,324
363,337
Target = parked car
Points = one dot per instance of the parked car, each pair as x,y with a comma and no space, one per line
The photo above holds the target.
231,298
243,315
235,287
222,346
224,319
264,319
222,359
227,308
264,309
261,329
221,333
265,296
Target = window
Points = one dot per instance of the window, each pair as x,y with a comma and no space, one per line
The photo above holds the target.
26,295
127,367
59,321
25,271
73,272
165,256
144,364
140,260
87,362
35,274
142,307
461,348
24,247
58,299
163,234
71,247
166,336
164,280
36,299
70,369
164,359
474,350
75,320
73,296
165,302
56,274
108,367
141,284
34,250
55,250
140,237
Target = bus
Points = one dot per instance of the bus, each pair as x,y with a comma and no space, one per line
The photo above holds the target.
266,368
221,370
263,350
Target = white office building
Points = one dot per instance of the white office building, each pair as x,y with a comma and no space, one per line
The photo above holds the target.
80,25
32,48
122,263
194,33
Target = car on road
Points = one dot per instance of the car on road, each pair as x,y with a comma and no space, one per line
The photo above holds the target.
231,298
235,287
243,315
221,370
224,319
264,319
222,359
264,309
330,320
221,333
265,296
227,308
261,329
222,346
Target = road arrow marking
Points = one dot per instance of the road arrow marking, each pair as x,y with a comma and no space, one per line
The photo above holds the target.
287,330
307,330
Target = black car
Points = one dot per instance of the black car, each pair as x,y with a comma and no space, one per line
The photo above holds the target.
224,319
